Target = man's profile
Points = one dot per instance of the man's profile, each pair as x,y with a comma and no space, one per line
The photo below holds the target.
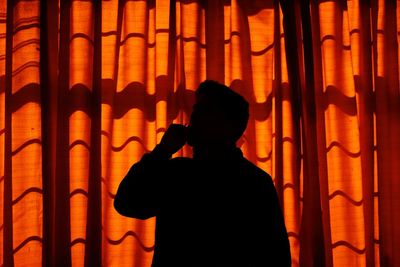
215,209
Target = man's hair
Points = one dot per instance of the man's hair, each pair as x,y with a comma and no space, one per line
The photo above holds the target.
230,103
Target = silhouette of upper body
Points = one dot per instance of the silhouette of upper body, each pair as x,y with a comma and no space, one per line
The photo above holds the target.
216,209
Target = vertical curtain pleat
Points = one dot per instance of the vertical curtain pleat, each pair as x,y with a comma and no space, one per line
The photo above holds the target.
360,41
23,193
386,78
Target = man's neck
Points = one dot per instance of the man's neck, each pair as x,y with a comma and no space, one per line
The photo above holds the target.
216,152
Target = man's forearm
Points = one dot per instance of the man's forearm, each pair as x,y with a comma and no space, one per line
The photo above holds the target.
138,192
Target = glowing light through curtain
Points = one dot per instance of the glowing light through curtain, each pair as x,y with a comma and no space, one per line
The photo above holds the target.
87,87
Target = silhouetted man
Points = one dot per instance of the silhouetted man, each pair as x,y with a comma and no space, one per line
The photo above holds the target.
216,209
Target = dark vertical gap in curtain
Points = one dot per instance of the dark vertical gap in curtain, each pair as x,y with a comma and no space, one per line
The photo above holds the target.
48,82
278,87
245,86
149,107
62,199
179,104
363,84
171,61
294,81
45,131
311,232
215,63
374,27
118,43
93,248
8,209
315,127
177,75
388,132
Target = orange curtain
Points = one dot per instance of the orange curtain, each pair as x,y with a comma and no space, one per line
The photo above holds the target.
87,87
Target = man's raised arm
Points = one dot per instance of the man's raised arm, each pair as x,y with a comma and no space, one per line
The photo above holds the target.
138,193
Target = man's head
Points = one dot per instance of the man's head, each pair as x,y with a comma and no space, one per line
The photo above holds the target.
219,116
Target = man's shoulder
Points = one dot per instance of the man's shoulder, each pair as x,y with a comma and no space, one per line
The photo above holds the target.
254,169
180,161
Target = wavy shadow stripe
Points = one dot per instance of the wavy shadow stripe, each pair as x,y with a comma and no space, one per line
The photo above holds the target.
342,194
140,35
132,35
191,39
1,179
26,27
29,93
135,35
26,241
288,139
263,51
111,195
108,33
83,36
134,95
25,66
294,188
79,191
126,142
76,241
262,109
133,234
1,227
341,147
233,33
290,186
160,130
80,98
27,143
25,43
265,159
79,142
333,96
26,192
348,245
331,37
293,235
26,20
2,131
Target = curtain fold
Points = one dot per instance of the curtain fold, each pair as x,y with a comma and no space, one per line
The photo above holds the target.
88,87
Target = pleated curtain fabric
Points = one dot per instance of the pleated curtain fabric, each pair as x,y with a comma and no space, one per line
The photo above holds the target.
87,87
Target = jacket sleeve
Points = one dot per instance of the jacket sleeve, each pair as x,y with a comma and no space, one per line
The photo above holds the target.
138,195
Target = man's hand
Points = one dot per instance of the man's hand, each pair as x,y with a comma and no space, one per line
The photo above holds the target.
173,139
